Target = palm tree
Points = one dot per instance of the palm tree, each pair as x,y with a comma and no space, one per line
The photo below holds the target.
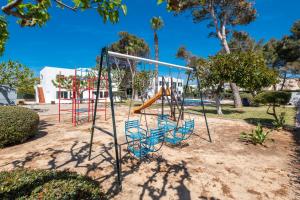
156,24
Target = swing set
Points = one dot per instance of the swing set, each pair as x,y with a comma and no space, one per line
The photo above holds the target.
171,128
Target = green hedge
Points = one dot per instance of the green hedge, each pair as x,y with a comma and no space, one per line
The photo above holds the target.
273,97
46,184
17,124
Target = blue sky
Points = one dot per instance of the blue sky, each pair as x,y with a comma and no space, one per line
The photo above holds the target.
72,39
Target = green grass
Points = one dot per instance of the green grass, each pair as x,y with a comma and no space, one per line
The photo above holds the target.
251,115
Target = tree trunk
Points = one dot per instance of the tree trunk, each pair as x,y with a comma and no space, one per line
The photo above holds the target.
283,81
133,95
236,95
235,89
218,105
156,58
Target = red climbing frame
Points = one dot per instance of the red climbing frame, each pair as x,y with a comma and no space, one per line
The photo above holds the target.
77,100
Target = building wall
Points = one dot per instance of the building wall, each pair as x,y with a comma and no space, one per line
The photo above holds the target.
177,85
47,74
8,95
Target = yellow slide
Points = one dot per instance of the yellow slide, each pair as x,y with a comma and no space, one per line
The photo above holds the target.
151,100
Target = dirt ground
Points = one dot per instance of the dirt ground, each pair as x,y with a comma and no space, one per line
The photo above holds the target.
197,169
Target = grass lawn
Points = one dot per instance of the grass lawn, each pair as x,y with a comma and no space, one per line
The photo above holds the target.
251,115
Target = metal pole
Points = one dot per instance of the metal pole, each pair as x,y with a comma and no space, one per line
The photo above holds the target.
162,97
96,102
59,96
203,109
89,101
113,120
182,101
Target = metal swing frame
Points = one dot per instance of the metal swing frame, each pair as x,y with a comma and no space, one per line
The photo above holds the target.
105,53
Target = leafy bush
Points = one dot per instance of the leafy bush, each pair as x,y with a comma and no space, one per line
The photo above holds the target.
257,136
46,184
17,124
274,99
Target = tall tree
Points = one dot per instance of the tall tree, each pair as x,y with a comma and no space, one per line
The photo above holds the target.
156,24
3,34
284,54
32,13
241,41
222,15
132,45
17,76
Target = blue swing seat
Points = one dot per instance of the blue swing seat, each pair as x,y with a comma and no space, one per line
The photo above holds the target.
156,137
164,122
182,133
139,144
134,136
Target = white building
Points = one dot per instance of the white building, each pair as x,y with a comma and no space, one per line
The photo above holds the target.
47,92
177,85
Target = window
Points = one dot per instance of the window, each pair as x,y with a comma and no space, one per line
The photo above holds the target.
179,92
63,94
179,84
105,94
160,83
101,94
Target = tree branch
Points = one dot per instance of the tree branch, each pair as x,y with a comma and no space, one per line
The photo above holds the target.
11,5
215,20
7,9
66,6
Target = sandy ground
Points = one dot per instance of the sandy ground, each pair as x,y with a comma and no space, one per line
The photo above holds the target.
197,169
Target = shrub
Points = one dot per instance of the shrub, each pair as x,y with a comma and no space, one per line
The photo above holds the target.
274,99
17,124
46,184
257,136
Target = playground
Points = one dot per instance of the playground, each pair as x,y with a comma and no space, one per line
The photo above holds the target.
157,147
196,169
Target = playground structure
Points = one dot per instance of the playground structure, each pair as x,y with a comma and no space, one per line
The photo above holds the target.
82,82
139,141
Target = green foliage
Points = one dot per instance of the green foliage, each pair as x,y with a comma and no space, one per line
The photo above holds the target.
46,184
238,12
242,42
17,124
156,23
32,13
143,80
285,53
257,136
273,97
251,71
3,34
131,44
280,122
221,15
246,69
17,76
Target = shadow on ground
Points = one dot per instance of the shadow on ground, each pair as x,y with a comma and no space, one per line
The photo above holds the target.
78,158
